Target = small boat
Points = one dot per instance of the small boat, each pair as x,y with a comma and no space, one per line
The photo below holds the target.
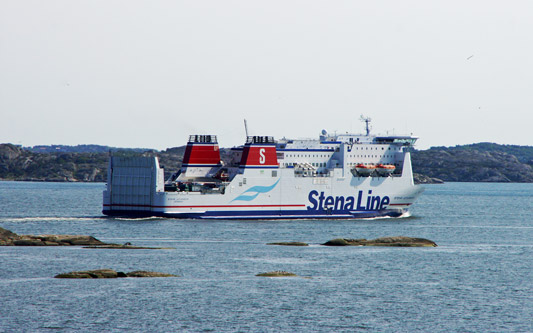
365,169
385,169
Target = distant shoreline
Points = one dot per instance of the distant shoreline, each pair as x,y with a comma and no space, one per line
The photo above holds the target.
479,163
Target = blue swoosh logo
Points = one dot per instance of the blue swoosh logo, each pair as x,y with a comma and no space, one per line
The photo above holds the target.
256,190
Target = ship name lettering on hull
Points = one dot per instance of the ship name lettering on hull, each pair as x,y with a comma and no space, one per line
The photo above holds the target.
372,202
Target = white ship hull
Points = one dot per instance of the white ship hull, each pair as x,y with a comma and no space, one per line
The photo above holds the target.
137,189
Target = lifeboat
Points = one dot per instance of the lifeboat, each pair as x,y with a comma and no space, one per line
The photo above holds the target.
365,169
385,169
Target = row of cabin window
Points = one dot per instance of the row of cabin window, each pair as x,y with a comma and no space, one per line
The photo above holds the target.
298,155
387,156
366,148
353,164
318,165
372,148
359,156
323,165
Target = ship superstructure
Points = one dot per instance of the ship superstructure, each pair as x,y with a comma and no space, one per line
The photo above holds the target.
334,176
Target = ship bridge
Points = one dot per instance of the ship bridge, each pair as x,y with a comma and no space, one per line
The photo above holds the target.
399,140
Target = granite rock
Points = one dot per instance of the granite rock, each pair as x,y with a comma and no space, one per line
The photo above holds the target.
399,241
109,274
289,243
8,238
277,274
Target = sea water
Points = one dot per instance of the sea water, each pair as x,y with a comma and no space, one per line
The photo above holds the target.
479,278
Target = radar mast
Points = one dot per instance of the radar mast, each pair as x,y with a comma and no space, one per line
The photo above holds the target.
367,121
246,127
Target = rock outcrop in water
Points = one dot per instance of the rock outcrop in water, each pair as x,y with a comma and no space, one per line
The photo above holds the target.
423,179
126,246
400,241
277,274
289,243
109,274
8,238
149,274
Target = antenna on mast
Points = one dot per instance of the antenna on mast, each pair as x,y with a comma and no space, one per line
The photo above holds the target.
367,120
246,128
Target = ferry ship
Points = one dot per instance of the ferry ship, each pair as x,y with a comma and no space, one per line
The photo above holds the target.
344,176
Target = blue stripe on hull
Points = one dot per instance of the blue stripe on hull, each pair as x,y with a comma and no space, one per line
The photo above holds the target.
263,215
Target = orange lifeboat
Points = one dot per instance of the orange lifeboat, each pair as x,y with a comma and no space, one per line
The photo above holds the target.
385,169
365,169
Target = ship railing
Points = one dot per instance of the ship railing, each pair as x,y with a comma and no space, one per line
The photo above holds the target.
304,166
311,173
395,174
203,139
202,188
260,139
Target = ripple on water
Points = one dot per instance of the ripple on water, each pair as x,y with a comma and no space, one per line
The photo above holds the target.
477,279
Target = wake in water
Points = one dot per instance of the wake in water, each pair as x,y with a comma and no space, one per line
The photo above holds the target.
73,218
149,218
49,218
155,218
403,216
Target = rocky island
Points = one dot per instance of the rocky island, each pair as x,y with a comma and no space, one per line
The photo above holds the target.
399,241
9,238
277,274
289,243
109,274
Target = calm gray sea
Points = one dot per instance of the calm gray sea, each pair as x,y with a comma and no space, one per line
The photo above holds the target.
479,278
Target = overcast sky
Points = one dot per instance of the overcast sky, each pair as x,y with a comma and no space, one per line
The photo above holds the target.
150,73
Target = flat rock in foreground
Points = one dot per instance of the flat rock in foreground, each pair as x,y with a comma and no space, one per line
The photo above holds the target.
289,243
8,238
125,247
109,274
92,274
277,274
400,241
148,274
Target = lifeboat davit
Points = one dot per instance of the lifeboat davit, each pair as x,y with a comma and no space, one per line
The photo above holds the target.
385,169
365,169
